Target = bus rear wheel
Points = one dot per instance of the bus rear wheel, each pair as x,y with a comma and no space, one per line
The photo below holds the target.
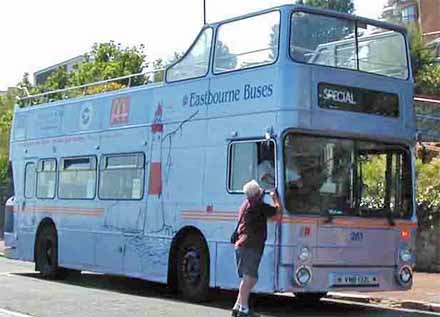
192,268
310,298
46,254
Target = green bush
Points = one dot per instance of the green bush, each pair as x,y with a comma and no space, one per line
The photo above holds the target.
428,80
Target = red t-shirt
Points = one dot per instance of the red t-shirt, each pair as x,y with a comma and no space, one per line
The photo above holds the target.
252,230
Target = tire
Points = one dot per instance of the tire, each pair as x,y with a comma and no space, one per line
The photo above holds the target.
192,268
46,254
309,298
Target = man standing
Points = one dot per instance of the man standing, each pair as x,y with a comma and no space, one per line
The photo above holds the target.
252,234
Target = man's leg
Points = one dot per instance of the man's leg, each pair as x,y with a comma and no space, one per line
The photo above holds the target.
246,286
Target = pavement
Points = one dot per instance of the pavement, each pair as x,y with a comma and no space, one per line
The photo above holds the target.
424,295
28,294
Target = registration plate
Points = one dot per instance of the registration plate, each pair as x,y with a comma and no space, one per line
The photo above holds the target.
354,279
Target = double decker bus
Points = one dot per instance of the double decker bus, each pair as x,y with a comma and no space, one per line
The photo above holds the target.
146,181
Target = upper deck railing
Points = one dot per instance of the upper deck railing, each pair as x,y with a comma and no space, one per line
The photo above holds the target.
113,84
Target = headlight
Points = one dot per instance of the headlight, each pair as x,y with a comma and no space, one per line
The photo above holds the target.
304,254
303,276
405,275
405,255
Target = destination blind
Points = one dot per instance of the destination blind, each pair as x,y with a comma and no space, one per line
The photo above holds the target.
345,98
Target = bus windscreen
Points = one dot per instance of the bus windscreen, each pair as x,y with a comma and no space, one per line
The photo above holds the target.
347,177
343,43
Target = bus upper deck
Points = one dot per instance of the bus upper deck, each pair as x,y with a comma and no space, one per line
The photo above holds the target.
366,72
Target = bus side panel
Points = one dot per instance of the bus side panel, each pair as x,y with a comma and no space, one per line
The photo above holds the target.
147,257
76,248
25,245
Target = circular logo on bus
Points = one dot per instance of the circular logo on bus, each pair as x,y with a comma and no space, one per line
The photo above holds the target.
86,116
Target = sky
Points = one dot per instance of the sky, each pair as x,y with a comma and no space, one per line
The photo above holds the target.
38,34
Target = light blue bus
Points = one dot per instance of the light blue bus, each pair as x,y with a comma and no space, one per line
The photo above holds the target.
146,181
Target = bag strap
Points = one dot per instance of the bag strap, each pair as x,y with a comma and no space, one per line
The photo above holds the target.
239,221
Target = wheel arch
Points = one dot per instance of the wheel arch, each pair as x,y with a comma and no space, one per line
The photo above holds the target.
181,234
43,223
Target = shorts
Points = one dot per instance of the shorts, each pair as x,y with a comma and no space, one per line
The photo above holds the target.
248,261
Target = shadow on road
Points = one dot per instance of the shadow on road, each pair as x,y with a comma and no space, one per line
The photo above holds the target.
266,304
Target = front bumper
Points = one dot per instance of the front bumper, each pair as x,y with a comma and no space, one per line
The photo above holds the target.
323,279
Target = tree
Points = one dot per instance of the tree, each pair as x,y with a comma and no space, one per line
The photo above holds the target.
428,80
7,103
420,54
224,59
110,60
346,6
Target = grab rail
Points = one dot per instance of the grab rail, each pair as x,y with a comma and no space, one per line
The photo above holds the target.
62,94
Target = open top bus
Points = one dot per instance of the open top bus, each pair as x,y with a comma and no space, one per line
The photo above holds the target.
146,181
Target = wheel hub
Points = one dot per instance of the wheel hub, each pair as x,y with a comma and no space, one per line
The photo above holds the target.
191,266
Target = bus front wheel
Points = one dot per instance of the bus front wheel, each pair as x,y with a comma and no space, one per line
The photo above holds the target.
46,254
193,268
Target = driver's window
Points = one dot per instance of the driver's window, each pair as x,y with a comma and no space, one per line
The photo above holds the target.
196,62
252,161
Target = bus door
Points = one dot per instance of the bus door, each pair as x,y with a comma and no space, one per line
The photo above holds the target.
253,159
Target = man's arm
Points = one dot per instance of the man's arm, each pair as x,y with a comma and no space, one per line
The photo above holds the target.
277,203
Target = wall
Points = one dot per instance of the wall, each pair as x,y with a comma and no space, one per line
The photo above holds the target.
430,18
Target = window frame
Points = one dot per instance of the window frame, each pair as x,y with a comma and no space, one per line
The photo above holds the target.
56,178
356,21
251,67
319,134
409,18
213,36
229,162
62,169
99,169
26,180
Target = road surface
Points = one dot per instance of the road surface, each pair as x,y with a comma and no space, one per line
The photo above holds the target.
24,293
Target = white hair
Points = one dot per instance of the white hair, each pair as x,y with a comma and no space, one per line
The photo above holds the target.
252,189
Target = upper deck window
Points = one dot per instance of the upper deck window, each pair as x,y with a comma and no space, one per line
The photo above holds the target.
247,43
343,43
195,63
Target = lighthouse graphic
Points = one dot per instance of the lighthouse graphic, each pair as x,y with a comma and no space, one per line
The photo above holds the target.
156,212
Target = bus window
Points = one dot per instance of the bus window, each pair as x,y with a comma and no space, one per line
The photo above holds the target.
382,52
195,63
121,176
247,43
344,43
46,176
311,35
338,176
252,160
77,178
29,180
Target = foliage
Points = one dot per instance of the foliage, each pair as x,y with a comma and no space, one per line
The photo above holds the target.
109,60
224,58
105,61
274,41
5,179
6,106
428,80
428,193
421,56
346,6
